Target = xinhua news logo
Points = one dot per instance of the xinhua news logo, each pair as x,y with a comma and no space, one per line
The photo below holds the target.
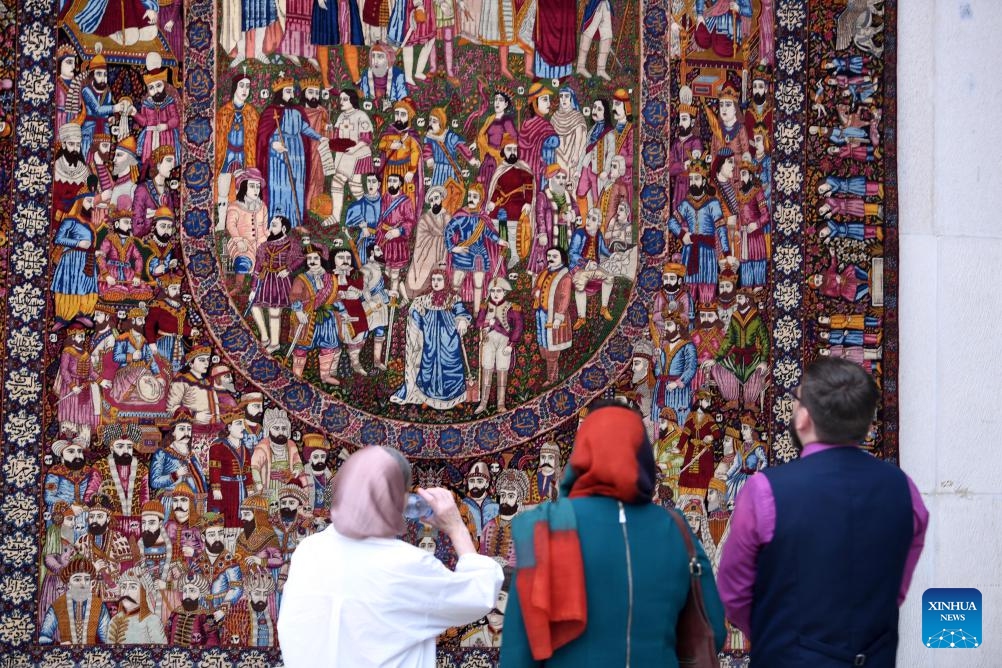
951,618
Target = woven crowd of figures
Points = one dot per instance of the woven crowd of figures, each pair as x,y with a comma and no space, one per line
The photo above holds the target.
378,166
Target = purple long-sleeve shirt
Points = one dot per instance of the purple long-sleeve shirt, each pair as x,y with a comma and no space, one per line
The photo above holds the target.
753,525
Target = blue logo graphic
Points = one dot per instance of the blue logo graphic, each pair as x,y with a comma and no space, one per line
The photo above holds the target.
951,618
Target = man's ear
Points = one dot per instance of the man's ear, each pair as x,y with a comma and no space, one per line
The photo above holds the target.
802,420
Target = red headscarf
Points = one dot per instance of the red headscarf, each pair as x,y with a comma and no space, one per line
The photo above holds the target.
369,493
612,457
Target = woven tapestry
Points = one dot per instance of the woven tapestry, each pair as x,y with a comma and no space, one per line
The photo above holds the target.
240,239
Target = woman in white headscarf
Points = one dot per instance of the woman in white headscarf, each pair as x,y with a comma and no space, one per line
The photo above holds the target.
358,596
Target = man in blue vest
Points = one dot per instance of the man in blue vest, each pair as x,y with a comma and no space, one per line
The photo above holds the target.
822,550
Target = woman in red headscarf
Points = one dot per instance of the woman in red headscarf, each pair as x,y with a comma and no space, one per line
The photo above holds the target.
358,596
602,574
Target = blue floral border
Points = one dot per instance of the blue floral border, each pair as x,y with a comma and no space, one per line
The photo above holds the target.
20,515
788,220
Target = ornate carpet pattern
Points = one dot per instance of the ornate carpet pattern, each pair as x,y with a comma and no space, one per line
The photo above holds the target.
241,239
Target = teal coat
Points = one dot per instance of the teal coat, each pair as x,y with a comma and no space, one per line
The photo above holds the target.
660,586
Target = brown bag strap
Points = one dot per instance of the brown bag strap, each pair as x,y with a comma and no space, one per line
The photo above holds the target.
695,568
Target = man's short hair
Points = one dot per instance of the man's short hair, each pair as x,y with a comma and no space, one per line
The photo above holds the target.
841,398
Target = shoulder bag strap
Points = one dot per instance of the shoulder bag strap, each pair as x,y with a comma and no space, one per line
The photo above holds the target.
695,568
